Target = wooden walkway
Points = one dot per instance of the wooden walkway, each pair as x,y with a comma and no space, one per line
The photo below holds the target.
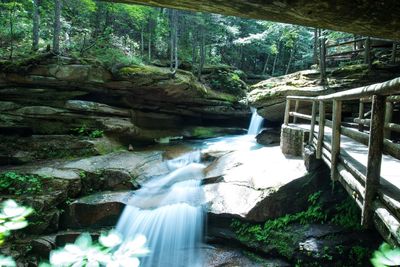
366,163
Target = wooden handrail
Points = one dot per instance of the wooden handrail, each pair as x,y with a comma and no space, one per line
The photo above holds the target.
385,88
380,125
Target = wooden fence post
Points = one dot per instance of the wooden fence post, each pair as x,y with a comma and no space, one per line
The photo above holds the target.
375,148
361,112
287,110
336,123
313,119
296,109
388,118
321,129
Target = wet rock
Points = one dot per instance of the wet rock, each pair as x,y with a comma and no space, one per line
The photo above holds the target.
42,246
218,256
20,150
266,190
98,210
269,137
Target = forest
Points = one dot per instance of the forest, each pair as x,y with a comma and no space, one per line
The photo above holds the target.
135,135
120,33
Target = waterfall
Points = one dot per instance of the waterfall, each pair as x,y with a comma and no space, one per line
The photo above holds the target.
256,123
168,211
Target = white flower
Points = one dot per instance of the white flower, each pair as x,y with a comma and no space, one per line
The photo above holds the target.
6,261
128,253
81,253
110,240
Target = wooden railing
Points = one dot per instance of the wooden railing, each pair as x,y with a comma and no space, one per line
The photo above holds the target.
361,45
373,132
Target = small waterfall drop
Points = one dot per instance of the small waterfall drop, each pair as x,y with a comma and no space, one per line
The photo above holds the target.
256,123
168,211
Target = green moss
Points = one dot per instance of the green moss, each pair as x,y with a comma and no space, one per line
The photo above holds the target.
140,70
350,70
262,233
227,82
17,183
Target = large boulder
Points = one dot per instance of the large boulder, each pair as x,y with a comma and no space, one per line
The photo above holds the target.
269,96
266,189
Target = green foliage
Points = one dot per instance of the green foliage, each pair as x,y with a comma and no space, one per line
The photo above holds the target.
12,217
86,131
16,183
262,233
97,134
386,256
227,81
347,214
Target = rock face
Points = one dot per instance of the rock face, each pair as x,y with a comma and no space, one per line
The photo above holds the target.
134,104
367,18
269,96
251,185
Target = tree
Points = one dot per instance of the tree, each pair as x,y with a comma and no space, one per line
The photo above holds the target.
57,26
36,25
174,41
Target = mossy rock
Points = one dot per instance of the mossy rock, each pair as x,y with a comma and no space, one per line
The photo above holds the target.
227,81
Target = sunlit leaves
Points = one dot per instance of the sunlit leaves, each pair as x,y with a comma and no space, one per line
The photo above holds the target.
386,256
12,217
7,261
110,251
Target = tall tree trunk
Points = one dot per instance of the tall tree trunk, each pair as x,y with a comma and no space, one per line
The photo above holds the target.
36,25
202,53
142,42
316,45
149,48
174,41
57,26
292,51
276,59
194,45
322,65
266,65
11,21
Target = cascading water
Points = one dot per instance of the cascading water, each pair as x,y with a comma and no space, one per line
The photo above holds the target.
168,211
256,123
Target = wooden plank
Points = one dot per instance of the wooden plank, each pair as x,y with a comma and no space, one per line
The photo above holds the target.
296,109
321,129
346,42
375,150
393,98
287,110
385,88
357,174
393,127
301,98
389,221
337,119
361,111
300,115
345,53
391,148
388,120
354,184
313,119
